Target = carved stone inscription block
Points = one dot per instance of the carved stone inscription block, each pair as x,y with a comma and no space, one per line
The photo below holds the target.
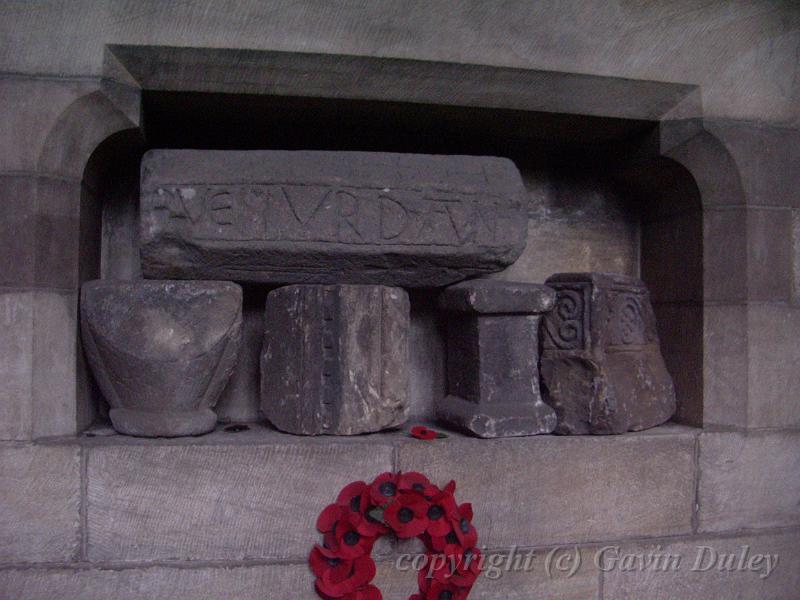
492,358
602,368
335,359
329,217
162,351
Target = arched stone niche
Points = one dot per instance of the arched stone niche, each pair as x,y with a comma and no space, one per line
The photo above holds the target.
611,184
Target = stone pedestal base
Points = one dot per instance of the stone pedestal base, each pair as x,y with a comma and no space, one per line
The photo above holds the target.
492,359
162,424
335,359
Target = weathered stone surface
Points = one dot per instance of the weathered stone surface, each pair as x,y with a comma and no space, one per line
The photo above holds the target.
212,502
329,217
39,498
288,582
492,358
161,351
602,368
729,567
749,480
335,359
559,490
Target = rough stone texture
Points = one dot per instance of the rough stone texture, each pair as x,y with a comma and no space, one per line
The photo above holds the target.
725,360
161,351
208,502
686,584
492,358
335,359
329,217
749,480
744,59
602,368
289,582
37,364
774,354
564,490
39,497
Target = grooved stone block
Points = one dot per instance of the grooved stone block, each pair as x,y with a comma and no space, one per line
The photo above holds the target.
335,359
149,502
749,583
749,480
39,498
555,490
329,217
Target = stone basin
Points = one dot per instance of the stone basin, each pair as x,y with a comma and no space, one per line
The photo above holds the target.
161,351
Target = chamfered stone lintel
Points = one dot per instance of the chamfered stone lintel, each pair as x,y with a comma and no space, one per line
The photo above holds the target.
492,296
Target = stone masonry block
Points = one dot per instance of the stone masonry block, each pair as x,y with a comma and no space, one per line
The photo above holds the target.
749,480
329,217
151,502
555,490
335,359
602,367
493,358
709,568
39,498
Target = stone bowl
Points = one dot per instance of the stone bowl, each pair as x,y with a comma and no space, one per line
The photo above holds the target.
161,351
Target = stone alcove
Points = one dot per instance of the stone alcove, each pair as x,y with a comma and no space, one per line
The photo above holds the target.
603,194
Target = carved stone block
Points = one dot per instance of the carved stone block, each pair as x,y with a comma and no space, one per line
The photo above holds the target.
335,359
602,368
492,358
329,217
161,351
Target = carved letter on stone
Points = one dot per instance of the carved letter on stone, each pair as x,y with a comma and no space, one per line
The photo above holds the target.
602,368
335,359
492,358
161,351
329,217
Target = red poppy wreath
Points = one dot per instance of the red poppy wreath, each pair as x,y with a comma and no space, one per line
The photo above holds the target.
408,505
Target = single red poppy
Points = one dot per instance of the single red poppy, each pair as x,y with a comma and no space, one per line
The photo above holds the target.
445,591
441,513
465,532
323,560
355,500
338,584
412,481
407,516
384,489
468,567
345,540
423,433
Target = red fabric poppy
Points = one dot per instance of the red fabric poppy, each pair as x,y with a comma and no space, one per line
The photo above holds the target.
407,516
442,511
445,591
344,539
412,481
466,533
354,499
423,433
338,584
383,490
409,505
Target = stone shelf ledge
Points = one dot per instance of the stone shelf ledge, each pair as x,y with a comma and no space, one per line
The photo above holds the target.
255,495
